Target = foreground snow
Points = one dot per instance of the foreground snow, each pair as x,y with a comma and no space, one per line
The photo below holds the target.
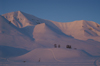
72,63
68,62
53,57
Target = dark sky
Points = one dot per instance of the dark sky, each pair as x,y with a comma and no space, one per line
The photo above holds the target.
56,10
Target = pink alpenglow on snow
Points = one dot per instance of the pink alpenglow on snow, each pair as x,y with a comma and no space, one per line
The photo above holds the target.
29,40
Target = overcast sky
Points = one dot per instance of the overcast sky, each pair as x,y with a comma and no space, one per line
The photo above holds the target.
56,10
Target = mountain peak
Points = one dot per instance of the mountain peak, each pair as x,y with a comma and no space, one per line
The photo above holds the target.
13,13
19,11
21,19
81,21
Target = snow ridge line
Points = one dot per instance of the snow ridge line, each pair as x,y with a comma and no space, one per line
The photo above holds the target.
55,56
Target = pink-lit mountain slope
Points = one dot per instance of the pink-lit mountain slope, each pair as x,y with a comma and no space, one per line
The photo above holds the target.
26,38
21,30
10,35
82,30
20,19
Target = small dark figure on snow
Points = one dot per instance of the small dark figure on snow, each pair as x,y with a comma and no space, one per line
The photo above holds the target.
24,61
55,45
58,46
39,60
68,46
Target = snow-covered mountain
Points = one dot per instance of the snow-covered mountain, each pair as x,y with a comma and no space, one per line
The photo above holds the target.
10,35
25,31
40,30
82,30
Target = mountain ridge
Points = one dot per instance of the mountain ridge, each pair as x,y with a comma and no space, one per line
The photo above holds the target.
42,32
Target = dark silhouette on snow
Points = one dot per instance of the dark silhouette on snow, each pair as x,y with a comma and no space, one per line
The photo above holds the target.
55,45
39,60
68,46
58,46
24,61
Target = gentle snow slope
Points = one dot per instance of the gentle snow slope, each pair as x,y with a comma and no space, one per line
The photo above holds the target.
51,55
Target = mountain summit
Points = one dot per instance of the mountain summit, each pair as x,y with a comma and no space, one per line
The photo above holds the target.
20,19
